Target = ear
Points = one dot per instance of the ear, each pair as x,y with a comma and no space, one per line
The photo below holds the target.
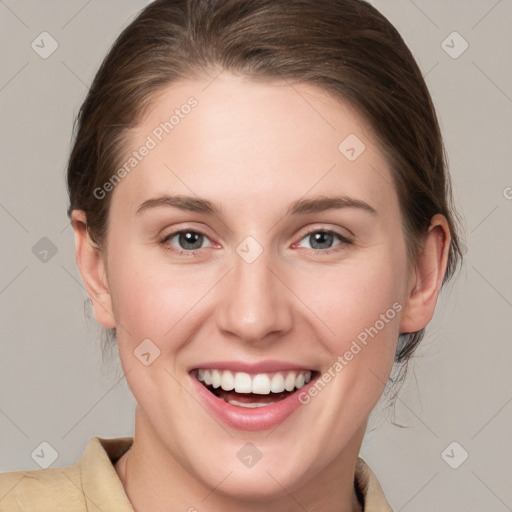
92,268
427,277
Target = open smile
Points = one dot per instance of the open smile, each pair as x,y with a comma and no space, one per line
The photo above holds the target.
248,400
251,391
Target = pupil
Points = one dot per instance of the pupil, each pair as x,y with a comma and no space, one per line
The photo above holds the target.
190,237
318,239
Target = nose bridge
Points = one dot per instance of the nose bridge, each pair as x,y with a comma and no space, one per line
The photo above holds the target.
254,304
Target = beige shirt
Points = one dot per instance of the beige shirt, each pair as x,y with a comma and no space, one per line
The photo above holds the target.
92,484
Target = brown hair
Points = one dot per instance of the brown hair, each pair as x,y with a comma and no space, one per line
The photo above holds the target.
345,47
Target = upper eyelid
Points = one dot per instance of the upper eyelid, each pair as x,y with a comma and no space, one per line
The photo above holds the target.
343,238
175,231
172,234
325,230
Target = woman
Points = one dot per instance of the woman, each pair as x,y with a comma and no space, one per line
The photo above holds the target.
263,221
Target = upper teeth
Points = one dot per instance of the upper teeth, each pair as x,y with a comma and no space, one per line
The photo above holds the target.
261,384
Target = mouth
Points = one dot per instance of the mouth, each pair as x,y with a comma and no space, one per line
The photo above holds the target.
250,391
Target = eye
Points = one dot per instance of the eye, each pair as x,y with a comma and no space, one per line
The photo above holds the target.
322,240
187,240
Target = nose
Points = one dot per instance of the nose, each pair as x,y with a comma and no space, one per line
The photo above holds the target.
254,304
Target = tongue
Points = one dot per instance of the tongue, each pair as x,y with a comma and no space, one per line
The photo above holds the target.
250,398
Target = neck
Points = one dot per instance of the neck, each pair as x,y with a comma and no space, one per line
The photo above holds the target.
151,476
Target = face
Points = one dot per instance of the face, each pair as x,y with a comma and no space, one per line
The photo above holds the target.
255,243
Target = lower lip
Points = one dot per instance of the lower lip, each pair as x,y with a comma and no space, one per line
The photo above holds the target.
244,418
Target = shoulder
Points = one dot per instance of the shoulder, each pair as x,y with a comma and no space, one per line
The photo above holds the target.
92,483
42,490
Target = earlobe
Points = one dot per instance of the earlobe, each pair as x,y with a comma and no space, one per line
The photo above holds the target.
427,278
91,265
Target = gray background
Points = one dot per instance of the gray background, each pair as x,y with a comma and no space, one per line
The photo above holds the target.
53,384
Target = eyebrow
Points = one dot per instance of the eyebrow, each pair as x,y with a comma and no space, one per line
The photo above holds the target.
299,207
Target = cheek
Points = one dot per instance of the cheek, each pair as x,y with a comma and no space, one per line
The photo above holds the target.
149,294
167,304
354,296
362,306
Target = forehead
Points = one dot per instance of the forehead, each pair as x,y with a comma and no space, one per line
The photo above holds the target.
236,140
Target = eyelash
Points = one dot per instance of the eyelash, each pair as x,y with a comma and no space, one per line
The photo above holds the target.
164,241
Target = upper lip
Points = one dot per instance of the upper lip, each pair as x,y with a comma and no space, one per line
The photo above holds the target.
268,366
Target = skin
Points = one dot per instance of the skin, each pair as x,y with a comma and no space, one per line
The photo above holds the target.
252,148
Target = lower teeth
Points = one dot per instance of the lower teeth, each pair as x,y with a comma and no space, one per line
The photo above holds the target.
249,405
219,393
